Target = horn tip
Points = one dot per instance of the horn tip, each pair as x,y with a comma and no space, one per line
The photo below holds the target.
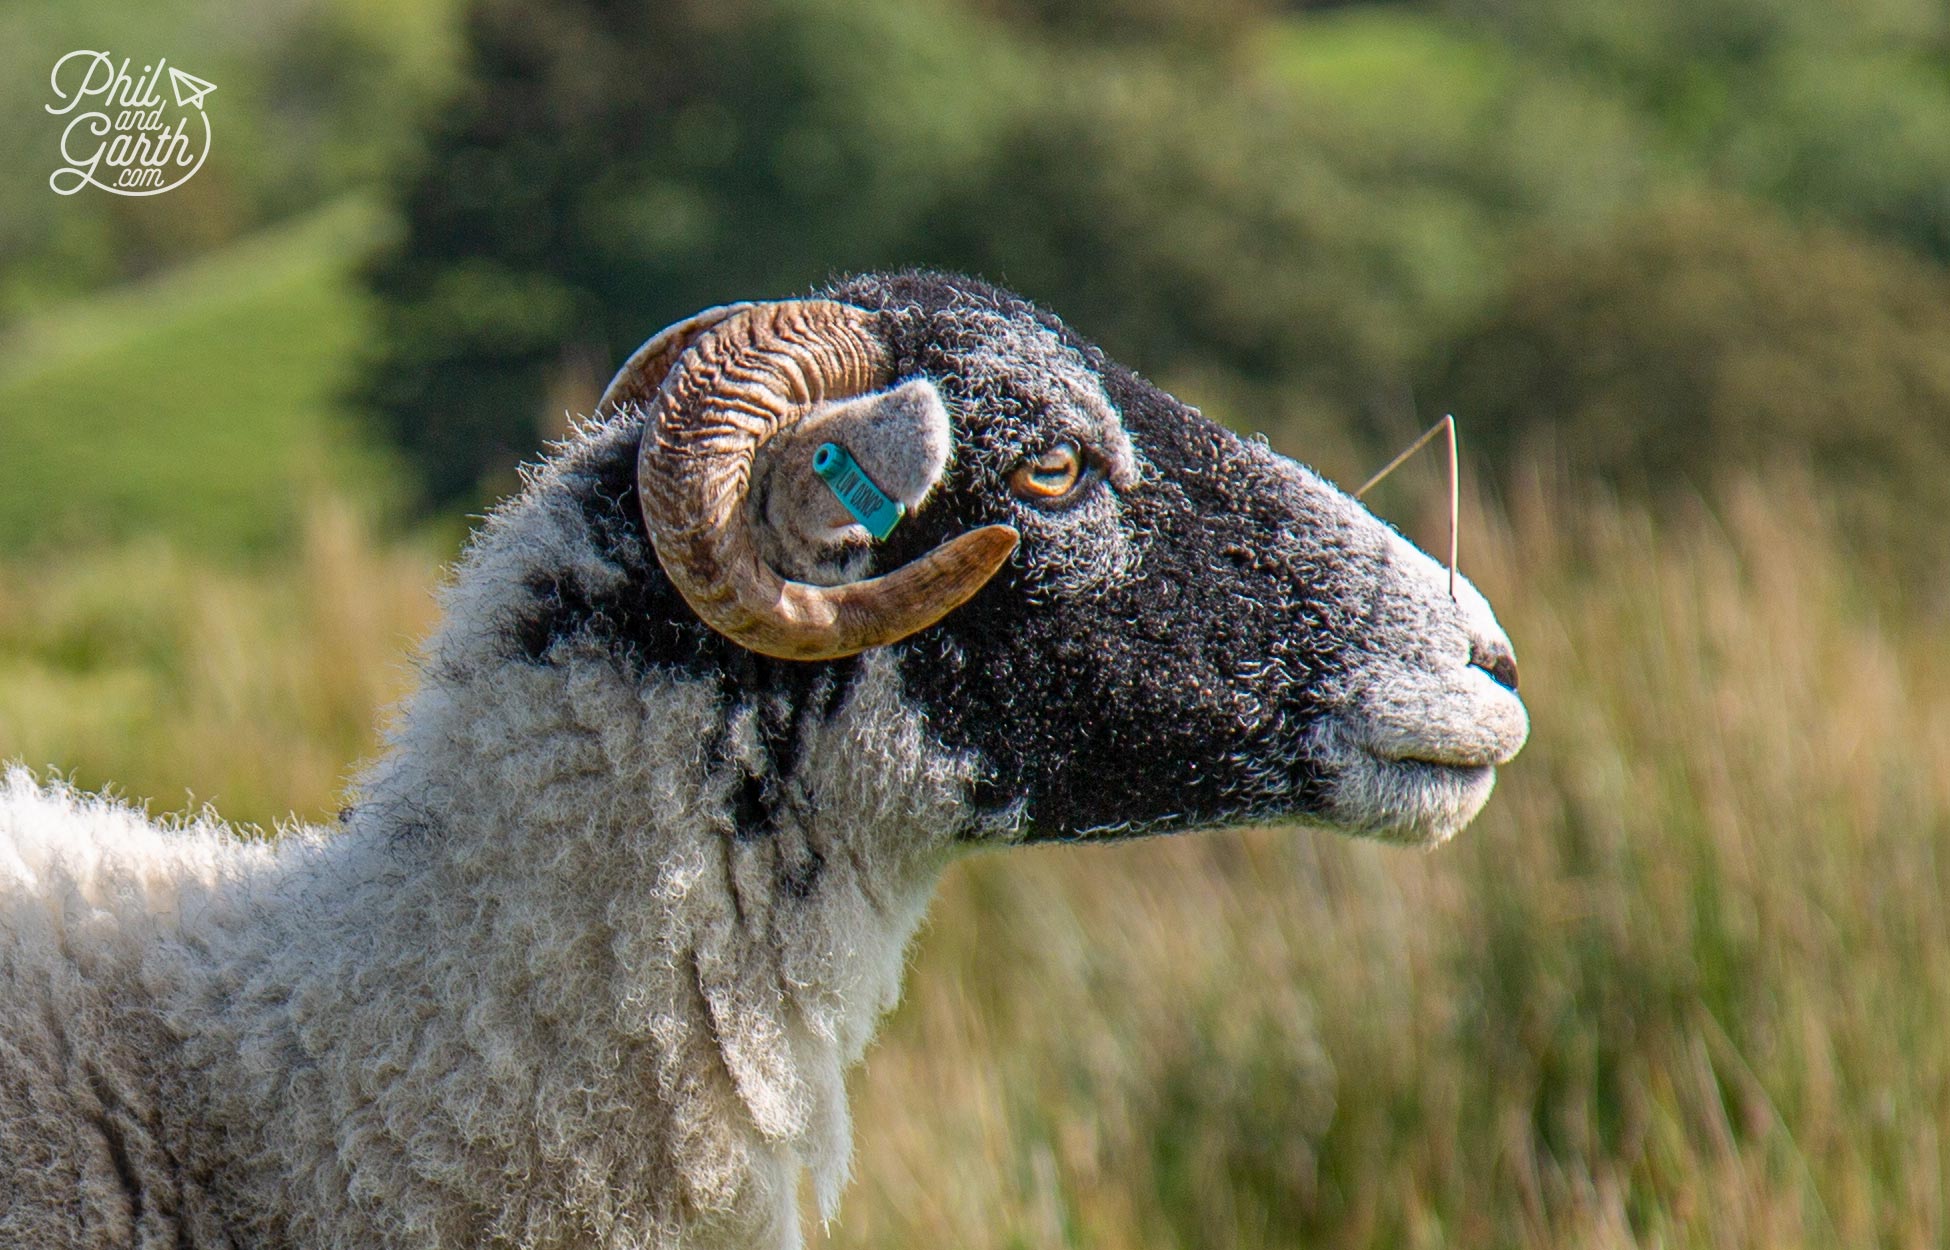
993,543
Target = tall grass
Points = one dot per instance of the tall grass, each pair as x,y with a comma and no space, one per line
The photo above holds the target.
1686,983
187,680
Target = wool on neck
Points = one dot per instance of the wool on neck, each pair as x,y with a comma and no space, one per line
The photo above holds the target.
541,987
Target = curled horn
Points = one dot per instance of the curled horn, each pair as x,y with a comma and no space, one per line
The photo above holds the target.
731,378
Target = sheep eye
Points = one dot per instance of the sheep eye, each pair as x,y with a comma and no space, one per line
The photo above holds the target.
1051,475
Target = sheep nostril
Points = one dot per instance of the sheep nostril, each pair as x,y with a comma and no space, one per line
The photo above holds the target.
1498,662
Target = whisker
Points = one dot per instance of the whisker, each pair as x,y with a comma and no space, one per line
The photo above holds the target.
1445,426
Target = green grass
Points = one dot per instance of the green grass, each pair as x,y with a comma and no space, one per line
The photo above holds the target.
203,407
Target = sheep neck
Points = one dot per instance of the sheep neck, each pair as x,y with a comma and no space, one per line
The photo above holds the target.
541,949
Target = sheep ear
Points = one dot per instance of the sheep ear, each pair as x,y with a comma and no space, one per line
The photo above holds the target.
900,438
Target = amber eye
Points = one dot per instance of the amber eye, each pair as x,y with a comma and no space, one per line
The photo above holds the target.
1051,475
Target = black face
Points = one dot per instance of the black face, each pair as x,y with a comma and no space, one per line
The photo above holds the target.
1151,659
1194,631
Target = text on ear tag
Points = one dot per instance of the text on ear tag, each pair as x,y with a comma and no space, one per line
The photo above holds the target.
869,504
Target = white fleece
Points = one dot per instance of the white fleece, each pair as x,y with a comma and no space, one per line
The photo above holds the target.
531,992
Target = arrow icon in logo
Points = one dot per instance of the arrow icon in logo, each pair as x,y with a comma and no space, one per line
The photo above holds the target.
189,89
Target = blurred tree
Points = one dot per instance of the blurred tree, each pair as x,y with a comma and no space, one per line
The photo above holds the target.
605,171
1295,208
609,167
1710,337
1860,136
1840,110
1114,23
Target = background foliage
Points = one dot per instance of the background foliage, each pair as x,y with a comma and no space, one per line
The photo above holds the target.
1678,265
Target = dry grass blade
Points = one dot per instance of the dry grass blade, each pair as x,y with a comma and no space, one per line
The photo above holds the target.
1445,426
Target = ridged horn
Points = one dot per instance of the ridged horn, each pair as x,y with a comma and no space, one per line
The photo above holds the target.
732,378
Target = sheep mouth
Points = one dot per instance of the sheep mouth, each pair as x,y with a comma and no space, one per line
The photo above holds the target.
1414,758
1454,761
1438,772
1396,788
1464,735
1411,799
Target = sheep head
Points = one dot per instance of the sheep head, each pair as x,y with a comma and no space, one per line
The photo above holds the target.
1135,620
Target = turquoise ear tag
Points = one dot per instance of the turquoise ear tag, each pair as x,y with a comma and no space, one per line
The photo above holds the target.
869,504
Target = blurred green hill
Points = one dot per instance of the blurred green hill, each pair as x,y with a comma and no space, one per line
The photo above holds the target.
314,99
201,406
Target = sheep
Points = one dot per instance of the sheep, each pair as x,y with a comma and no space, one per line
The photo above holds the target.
586,958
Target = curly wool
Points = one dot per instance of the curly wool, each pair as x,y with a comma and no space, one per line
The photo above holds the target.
536,991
